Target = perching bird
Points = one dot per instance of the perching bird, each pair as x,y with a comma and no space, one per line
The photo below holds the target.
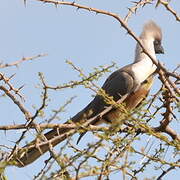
133,80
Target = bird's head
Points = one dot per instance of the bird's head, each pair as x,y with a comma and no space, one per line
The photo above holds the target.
152,33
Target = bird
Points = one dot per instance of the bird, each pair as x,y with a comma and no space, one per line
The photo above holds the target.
132,81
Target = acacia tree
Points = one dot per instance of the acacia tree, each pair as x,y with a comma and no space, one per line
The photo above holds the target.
115,149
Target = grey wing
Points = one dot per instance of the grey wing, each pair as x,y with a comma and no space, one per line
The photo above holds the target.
117,84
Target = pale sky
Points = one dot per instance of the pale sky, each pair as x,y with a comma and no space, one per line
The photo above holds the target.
87,39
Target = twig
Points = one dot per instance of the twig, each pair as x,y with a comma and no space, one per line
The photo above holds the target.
72,84
73,131
166,5
6,80
44,98
124,25
133,10
165,172
26,113
164,124
157,159
16,63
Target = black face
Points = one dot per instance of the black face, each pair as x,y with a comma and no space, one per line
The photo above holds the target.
158,47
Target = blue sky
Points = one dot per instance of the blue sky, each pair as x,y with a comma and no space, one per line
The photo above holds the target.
87,39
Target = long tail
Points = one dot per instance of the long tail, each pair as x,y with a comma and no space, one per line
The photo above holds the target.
36,148
32,151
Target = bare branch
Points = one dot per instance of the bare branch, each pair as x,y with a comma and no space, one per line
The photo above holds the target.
166,5
133,10
165,172
26,113
16,63
10,86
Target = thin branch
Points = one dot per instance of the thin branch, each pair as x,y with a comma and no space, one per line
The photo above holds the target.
73,131
44,98
42,126
130,32
73,84
166,5
157,159
165,172
133,10
6,80
61,109
26,113
164,124
16,63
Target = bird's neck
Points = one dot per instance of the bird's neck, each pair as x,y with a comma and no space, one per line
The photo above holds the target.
143,66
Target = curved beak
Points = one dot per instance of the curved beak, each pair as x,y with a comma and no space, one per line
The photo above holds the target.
159,49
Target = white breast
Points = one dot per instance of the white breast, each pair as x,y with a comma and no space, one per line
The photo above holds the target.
143,69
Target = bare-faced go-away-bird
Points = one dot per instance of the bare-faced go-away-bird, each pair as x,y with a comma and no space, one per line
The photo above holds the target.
133,80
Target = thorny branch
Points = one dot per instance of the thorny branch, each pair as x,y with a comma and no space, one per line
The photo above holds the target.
169,95
17,102
87,79
16,63
164,127
161,69
164,124
166,5
133,10
10,91
164,172
44,98
6,81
